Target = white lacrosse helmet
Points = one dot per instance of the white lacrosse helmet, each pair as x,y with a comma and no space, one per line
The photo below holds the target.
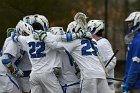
95,25
75,26
134,17
23,28
42,20
57,30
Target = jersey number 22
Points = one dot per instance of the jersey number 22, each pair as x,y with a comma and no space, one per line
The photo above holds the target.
37,49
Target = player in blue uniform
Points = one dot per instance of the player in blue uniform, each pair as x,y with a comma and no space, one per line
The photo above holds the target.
132,74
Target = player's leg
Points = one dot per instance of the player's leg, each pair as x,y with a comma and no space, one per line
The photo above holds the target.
24,84
8,84
36,89
15,90
102,86
88,86
110,81
50,83
35,84
111,86
73,89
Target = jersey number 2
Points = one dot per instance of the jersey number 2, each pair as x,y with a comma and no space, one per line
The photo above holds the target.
37,49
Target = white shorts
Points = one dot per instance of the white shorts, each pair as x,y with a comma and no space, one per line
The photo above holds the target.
8,84
111,86
24,84
44,83
94,86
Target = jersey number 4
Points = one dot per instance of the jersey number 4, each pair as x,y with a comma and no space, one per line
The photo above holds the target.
37,49
86,48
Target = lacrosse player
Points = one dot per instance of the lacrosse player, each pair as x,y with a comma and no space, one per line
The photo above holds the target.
8,82
42,78
24,64
97,27
93,77
40,55
21,61
68,79
132,73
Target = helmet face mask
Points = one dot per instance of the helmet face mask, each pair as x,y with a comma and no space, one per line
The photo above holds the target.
25,34
23,28
130,24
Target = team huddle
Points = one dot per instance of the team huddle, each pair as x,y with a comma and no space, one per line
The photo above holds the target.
37,58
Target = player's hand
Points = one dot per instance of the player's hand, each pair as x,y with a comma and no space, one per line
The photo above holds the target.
14,36
57,71
125,89
39,35
36,35
85,34
18,72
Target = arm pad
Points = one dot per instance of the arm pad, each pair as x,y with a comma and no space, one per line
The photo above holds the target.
6,59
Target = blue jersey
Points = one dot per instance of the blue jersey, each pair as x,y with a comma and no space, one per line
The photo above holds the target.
132,74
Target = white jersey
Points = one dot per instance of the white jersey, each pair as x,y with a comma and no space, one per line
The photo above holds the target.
17,52
68,70
84,56
9,45
58,60
8,82
42,57
25,63
3,69
106,53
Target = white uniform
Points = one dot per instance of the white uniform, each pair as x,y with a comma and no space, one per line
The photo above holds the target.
42,58
91,69
22,61
106,52
68,79
8,84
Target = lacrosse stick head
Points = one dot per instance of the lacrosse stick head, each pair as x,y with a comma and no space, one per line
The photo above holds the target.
81,18
9,31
